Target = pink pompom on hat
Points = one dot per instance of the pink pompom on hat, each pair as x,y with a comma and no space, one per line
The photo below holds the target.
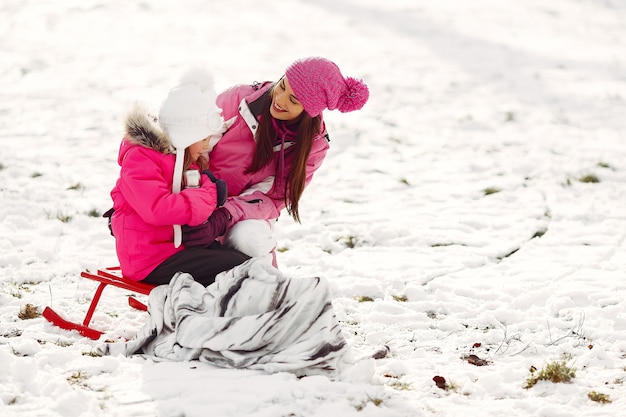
318,84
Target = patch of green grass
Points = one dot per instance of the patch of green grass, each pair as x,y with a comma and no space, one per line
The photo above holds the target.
599,397
12,333
17,290
78,378
77,186
589,179
348,241
401,386
36,174
557,371
364,299
491,190
431,314
65,218
376,401
94,213
62,343
400,298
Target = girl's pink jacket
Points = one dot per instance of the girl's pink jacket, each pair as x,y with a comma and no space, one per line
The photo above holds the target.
233,153
145,207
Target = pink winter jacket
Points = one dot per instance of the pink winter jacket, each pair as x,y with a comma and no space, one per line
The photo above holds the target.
233,153
145,207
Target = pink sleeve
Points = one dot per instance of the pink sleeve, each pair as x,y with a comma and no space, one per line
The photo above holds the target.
146,189
258,205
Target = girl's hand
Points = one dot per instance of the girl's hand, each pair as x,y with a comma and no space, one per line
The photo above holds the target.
206,233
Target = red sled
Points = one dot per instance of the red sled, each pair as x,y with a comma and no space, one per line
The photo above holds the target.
107,276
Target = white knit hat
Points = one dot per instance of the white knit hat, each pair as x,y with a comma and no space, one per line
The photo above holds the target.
189,114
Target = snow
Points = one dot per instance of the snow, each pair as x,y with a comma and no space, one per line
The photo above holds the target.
522,97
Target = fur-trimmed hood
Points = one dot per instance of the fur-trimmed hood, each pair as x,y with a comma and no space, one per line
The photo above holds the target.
143,129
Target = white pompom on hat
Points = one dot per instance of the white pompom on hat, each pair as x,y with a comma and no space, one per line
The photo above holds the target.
189,114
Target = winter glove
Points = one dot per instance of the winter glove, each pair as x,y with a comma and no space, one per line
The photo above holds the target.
222,188
206,233
109,215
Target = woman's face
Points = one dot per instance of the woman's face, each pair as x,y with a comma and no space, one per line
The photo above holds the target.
198,148
285,106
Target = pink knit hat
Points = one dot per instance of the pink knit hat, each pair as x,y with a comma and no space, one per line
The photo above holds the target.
318,84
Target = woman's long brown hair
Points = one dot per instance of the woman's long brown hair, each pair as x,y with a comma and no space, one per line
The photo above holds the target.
308,127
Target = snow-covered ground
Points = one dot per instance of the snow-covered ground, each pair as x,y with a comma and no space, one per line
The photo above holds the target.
475,206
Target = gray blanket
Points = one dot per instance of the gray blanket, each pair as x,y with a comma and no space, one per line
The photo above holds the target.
251,317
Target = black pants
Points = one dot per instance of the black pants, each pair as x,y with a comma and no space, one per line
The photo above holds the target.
203,263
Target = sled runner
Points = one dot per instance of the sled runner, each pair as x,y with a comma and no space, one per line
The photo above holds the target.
108,276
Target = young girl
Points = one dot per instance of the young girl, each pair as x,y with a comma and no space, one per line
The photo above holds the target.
151,199
276,142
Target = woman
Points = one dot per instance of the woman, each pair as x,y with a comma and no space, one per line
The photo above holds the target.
151,198
275,143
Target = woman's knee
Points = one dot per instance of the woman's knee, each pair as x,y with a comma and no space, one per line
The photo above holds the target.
253,237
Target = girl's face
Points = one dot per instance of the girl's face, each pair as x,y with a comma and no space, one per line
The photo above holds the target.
198,148
285,106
